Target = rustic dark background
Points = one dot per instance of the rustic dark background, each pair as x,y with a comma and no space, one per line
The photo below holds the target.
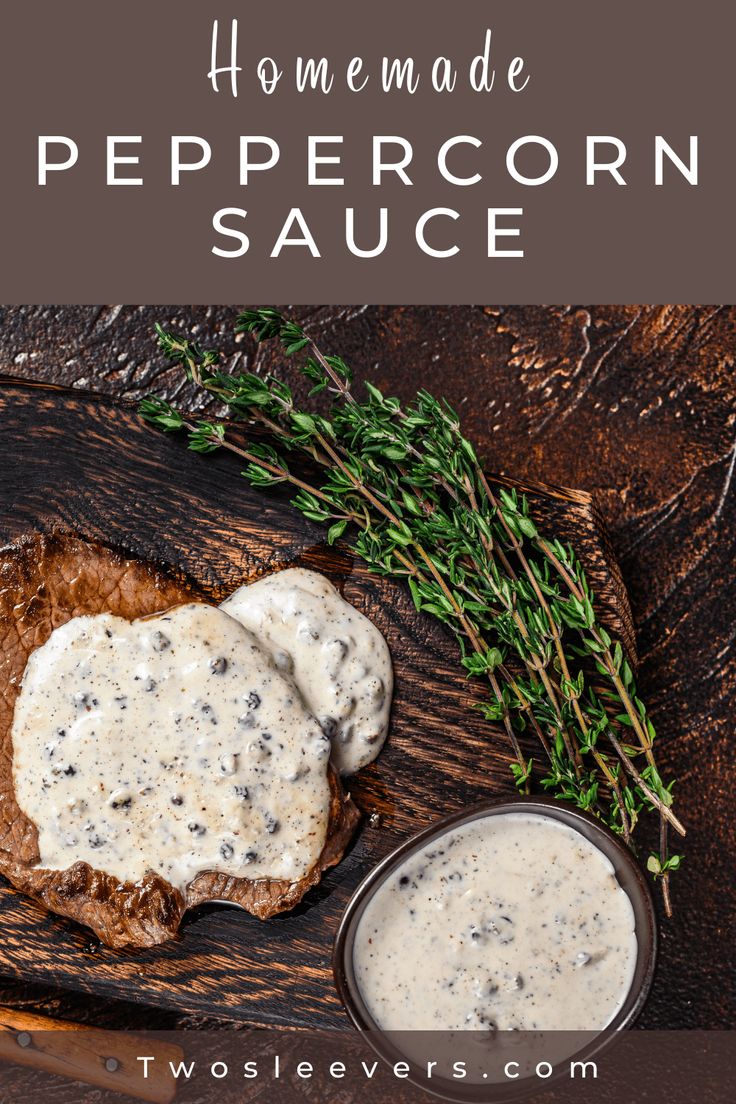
636,404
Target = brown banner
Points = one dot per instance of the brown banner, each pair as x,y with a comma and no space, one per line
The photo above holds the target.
225,1067
592,138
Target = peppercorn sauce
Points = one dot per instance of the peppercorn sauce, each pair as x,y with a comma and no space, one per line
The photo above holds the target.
170,744
511,921
336,655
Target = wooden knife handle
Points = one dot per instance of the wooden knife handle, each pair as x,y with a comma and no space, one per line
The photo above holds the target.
105,1059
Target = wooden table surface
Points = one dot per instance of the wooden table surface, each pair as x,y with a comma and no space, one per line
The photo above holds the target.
635,404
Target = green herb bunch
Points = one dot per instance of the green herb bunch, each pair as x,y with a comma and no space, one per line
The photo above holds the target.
403,484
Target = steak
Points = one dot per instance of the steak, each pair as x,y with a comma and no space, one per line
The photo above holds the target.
45,580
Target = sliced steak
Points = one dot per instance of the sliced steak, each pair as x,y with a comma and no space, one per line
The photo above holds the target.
44,582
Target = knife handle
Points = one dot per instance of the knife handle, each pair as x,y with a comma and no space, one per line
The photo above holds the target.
105,1059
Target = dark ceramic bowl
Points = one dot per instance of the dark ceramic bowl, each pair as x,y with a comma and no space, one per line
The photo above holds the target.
630,878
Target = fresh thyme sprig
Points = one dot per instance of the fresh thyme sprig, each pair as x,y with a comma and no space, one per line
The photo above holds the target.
409,487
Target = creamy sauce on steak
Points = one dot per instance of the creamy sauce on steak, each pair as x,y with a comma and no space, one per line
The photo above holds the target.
170,744
512,921
337,657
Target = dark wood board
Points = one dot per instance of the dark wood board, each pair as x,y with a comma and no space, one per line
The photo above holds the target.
75,462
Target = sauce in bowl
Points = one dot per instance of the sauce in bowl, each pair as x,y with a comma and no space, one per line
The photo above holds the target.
512,922
521,929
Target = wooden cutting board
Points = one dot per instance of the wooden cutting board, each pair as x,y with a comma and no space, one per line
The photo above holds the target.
73,461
